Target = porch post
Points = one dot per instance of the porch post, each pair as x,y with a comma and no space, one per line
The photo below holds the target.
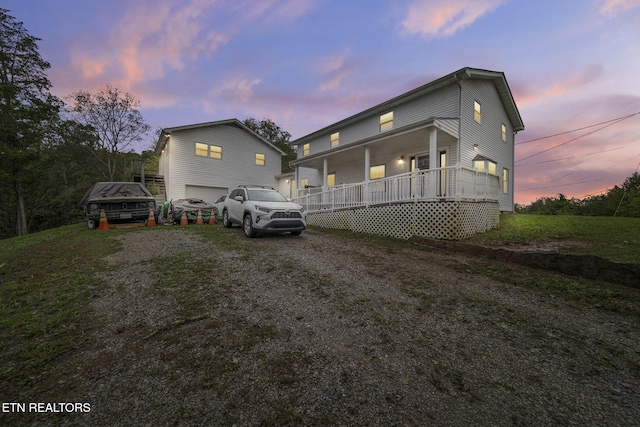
296,182
325,169
433,174
367,177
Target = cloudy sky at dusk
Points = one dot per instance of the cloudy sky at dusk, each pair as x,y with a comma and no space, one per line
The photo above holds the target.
571,64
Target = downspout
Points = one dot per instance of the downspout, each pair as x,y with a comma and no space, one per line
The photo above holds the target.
459,159
459,150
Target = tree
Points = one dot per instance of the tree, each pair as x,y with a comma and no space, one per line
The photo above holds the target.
116,122
27,111
271,132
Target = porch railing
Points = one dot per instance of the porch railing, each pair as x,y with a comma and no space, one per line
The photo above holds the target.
443,184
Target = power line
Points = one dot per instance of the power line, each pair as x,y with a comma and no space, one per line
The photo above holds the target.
610,123
576,130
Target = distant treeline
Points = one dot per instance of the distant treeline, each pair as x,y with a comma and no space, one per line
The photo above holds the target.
618,201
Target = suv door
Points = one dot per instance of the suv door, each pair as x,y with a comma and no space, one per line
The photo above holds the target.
234,207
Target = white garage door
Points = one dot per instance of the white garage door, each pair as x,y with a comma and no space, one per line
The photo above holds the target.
208,194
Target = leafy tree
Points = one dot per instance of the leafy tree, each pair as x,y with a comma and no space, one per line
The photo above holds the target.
271,132
27,113
115,120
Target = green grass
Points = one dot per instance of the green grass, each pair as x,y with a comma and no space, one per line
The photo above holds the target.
617,239
47,280
45,283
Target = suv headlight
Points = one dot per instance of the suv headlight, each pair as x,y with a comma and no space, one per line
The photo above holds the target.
263,209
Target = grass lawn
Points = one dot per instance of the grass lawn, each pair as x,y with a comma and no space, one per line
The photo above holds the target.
617,239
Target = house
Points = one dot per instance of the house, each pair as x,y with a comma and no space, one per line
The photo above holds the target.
207,160
437,161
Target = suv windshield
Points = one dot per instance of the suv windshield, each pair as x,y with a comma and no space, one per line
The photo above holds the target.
266,196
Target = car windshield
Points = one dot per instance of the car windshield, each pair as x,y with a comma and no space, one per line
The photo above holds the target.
266,196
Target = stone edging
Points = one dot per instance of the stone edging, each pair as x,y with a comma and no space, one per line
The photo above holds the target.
584,265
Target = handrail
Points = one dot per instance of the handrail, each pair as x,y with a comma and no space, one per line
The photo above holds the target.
441,184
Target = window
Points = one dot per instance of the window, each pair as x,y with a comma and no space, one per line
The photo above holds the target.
331,179
305,150
335,139
377,172
505,181
304,182
477,116
504,132
202,149
215,152
485,165
206,150
386,121
260,159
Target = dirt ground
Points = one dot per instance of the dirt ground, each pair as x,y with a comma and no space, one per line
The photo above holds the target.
331,329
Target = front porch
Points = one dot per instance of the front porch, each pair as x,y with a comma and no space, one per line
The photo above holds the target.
444,203
455,183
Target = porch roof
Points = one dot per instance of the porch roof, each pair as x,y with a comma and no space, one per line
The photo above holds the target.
315,160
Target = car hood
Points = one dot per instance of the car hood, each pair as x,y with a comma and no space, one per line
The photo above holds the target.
279,205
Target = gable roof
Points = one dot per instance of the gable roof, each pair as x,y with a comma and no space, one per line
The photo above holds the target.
498,78
164,135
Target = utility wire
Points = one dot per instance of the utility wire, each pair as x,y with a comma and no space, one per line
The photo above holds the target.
576,130
578,137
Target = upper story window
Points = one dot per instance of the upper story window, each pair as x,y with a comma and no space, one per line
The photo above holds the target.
386,121
215,152
305,150
335,139
202,149
477,115
206,150
260,159
504,132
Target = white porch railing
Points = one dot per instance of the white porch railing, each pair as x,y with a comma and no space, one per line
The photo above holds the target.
442,184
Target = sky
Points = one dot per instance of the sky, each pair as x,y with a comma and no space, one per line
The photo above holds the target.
573,67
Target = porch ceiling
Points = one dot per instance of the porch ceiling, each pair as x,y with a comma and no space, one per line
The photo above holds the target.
408,143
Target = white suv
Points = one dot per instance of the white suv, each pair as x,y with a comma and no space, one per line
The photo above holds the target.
262,210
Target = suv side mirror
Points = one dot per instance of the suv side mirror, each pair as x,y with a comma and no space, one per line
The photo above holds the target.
239,198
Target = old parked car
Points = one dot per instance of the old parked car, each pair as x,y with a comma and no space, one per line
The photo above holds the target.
121,201
190,207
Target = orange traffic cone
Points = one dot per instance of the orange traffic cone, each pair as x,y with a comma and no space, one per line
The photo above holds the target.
199,220
183,219
212,218
151,222
104,224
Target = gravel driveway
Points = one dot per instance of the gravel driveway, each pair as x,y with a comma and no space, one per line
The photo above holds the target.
338,329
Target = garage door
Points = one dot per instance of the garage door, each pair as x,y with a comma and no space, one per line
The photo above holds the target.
208,194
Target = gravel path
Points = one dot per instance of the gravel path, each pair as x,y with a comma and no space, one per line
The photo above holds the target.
326,329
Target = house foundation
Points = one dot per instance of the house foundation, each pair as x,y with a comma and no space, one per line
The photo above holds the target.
445,220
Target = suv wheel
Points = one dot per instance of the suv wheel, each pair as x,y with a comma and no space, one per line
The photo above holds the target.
225,219
247,226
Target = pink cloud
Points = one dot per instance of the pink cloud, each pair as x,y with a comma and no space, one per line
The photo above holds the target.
272,10
544,89
615,7
442,18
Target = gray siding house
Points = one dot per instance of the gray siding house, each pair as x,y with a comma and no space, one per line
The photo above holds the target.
437,161
207,160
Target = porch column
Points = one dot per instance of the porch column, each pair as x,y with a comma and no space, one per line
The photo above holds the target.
325,169
433,162
367,164
367,177
296,183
